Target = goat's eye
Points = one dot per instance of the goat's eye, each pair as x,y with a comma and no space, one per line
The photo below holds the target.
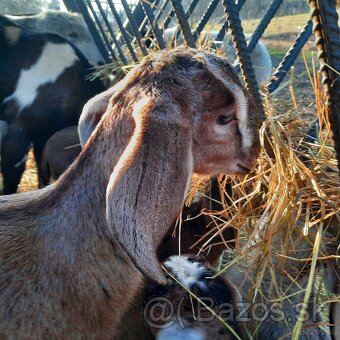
224,120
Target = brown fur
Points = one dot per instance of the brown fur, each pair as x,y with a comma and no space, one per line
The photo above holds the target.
59,152
93,111
67,251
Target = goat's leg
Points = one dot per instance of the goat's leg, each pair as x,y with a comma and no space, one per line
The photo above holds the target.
38,148
14,149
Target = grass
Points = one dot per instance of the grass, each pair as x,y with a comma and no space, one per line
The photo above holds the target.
279,25
290,24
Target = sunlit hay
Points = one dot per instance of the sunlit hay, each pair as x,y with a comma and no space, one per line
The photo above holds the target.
110,73
29,179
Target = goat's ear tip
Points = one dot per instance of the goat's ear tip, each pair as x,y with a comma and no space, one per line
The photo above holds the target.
153,271
160,279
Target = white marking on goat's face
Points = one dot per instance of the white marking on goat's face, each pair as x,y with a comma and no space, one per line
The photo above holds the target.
241,104
189,273
77,32
12,34
224,139
54,59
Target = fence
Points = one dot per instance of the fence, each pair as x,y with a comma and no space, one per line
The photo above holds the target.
143,29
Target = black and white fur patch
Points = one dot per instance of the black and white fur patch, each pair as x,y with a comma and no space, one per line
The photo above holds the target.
188,270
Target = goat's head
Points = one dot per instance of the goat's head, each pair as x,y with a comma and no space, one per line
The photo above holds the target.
72,27
191,320
191,115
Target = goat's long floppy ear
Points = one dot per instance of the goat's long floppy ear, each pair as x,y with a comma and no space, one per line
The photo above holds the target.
148,185
92,113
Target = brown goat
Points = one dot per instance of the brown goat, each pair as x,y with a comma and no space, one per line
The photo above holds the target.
72,255
59,152
62,149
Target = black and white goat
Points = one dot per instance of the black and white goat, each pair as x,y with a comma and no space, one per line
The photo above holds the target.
43,88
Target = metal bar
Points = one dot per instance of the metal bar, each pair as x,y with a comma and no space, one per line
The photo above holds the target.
188,12
134,26
145,20
101,29
224,28
153,24
124,33
327,35
94,31
268,16
171,14
113,35
168,18
183,23
290,57
72,6
243,55
138,13
191,8
205,18
162,9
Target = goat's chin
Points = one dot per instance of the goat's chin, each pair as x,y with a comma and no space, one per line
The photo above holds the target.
231,169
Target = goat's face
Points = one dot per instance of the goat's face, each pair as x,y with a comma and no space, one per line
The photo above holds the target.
225,137
190,115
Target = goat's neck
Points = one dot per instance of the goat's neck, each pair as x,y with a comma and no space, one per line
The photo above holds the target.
62,230
84,185
76,217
